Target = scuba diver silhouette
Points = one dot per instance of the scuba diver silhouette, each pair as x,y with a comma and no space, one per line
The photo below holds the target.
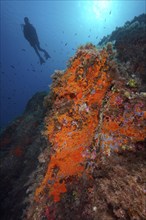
31,35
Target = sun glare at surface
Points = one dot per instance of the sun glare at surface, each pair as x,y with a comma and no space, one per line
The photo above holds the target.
101,7
93,10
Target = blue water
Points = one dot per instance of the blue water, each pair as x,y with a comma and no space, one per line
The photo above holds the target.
62,26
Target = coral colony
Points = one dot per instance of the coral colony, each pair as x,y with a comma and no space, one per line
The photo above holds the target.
96,113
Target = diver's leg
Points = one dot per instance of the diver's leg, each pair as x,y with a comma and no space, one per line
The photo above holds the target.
45,52
41,59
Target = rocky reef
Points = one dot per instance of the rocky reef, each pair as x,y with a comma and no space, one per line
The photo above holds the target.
20,145
130,43
79,152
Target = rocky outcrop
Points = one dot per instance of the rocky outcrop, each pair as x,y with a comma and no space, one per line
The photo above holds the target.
20,144
130,43
79,151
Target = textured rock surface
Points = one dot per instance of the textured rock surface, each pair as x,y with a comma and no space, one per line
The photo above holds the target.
130,42
79,152
20,144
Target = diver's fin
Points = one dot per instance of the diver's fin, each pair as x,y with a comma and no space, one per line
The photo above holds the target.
47,56
42,60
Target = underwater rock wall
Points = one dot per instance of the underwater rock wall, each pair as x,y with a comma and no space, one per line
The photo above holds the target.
79,151
96,113
92,112
20,145
130,43
95,126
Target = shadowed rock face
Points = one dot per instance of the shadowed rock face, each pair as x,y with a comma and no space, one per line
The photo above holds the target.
79,152
20,145
130,42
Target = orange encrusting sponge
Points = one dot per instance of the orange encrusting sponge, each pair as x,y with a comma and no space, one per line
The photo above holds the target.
76,126
88,113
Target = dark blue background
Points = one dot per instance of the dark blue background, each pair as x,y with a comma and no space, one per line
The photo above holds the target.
62,26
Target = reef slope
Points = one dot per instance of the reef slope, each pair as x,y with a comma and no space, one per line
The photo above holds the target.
79,152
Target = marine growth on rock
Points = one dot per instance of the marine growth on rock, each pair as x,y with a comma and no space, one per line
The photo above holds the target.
95,113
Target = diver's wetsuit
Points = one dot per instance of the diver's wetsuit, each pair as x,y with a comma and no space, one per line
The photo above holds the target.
31,35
